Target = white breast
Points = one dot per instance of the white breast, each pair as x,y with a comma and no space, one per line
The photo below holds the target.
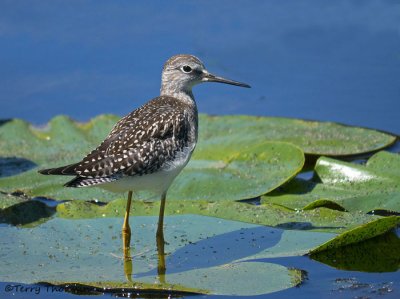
157,182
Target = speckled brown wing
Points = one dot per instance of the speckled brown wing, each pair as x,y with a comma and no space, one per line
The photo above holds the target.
140,143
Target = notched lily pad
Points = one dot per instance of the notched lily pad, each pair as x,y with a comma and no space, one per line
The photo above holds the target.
354,187
316,138
227,169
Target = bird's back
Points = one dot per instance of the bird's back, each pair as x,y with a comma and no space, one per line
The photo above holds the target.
152,138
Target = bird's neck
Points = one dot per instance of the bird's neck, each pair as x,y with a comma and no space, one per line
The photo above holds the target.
182,94
177,89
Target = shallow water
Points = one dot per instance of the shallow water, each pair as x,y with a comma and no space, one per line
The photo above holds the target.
336,61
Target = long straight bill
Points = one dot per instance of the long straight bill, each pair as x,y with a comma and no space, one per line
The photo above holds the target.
207,77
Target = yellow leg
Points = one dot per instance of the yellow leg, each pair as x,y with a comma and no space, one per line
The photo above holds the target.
160,228
126,230
160,240
161,258
128,268
126,240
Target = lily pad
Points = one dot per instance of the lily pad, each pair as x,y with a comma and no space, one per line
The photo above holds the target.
233,171
298,224
88,252
221,169
361,233
365,256
223,279
320,219
316,138
32,212
353,187
98,237
356,249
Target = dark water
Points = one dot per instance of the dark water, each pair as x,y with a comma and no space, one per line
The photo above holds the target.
324,60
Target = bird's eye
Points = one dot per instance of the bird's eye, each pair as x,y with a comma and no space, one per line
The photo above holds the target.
186,69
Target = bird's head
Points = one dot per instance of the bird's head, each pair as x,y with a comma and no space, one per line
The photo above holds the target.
182,72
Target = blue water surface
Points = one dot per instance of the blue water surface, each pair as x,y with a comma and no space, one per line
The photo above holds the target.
326,60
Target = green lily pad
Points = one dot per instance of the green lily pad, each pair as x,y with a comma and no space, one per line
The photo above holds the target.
223,279
221,169
30,213
320,219
299,223
324,203
365,256
357,250
233,171
344,185
361,233
88,252
316,138
187,236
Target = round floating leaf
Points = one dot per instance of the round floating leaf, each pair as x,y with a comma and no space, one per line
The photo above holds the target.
317,138
221,168
223,280
88,252
353,187
234,171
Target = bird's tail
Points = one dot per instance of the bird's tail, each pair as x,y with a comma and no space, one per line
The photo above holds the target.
63,170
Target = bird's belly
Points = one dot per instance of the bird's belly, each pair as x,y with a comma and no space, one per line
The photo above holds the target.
157,182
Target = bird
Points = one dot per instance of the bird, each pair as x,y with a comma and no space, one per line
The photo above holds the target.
149,147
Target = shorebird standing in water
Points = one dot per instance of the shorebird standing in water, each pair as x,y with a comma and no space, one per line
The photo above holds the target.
150,146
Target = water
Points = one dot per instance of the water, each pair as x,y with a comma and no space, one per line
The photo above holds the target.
332,61
324,60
